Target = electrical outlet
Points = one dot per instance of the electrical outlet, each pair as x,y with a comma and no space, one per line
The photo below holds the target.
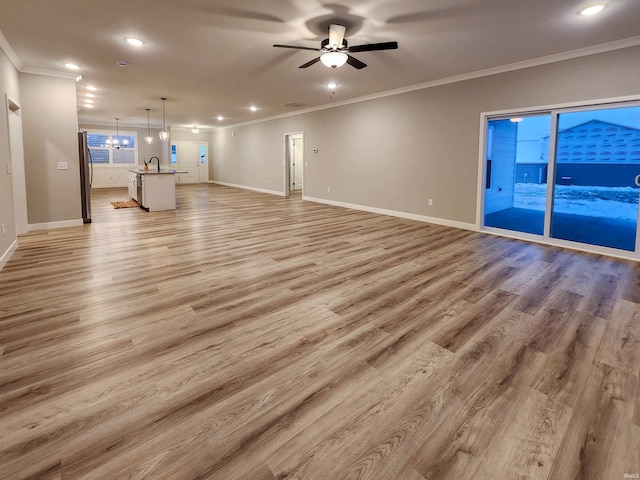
4,232
328,189
63,166
431,202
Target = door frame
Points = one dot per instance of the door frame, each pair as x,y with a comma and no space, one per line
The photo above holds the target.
16,158
190,142
288,137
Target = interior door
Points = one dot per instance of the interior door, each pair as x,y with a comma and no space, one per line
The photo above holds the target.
297,162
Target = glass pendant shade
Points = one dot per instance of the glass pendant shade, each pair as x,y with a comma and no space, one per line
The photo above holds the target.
164,135
334,59
148,139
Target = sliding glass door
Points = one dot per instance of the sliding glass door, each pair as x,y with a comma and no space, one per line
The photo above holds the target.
596,192
572,175
516,173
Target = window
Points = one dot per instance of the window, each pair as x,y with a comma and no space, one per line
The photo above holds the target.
102,153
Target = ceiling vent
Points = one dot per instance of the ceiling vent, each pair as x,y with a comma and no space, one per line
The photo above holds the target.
294,105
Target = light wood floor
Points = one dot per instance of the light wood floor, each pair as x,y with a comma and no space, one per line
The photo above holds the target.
248,336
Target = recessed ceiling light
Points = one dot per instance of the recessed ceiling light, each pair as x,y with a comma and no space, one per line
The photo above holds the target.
592,10
90,95
332,85
220,118
88,105
253,108
122,63
134,41
88,100
78,78
72,66
92,88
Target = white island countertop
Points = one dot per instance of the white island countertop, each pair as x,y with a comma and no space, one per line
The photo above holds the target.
154,171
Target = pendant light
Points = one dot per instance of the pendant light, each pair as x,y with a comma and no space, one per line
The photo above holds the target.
148,138
164,135
115,143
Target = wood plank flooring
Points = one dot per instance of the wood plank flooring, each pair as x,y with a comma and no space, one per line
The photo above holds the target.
248,336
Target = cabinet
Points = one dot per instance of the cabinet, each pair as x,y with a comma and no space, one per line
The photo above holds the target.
158,191
132,184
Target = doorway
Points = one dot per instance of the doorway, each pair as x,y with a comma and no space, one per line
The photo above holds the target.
294,163
191,158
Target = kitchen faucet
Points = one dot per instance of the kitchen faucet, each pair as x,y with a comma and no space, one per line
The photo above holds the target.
157,160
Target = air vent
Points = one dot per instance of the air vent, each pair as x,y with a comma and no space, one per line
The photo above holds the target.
294,105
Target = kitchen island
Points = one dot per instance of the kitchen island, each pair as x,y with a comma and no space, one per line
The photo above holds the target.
153,190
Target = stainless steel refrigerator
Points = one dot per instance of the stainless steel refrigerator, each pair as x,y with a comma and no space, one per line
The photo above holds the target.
86,172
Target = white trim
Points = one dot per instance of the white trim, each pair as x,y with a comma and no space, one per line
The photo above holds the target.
51,225
548,109
246,187
11,54
482,171
7,255
557,57
48,73
394,213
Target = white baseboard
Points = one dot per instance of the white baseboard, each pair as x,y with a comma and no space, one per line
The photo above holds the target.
394,213
7,255
253,189
49,225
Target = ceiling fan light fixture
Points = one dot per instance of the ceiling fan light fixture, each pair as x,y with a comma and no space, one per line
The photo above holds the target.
334,59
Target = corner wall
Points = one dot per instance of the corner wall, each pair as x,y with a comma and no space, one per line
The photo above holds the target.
394,153
9,88
50,129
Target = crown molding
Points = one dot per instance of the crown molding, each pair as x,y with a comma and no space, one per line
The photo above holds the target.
48,73
557,57
11,54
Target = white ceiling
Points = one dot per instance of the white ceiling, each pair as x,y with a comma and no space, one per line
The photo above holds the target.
215,57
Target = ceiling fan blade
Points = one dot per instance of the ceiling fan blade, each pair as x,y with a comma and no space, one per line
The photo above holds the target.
297,47
354,62
373,47
336,35
312,62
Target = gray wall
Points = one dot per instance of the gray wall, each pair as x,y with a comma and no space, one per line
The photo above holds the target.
9,87
396,152
50,129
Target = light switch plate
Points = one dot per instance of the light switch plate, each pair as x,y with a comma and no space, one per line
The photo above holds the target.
9,168
63,166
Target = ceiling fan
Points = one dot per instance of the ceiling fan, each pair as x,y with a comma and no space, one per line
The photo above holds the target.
335,49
